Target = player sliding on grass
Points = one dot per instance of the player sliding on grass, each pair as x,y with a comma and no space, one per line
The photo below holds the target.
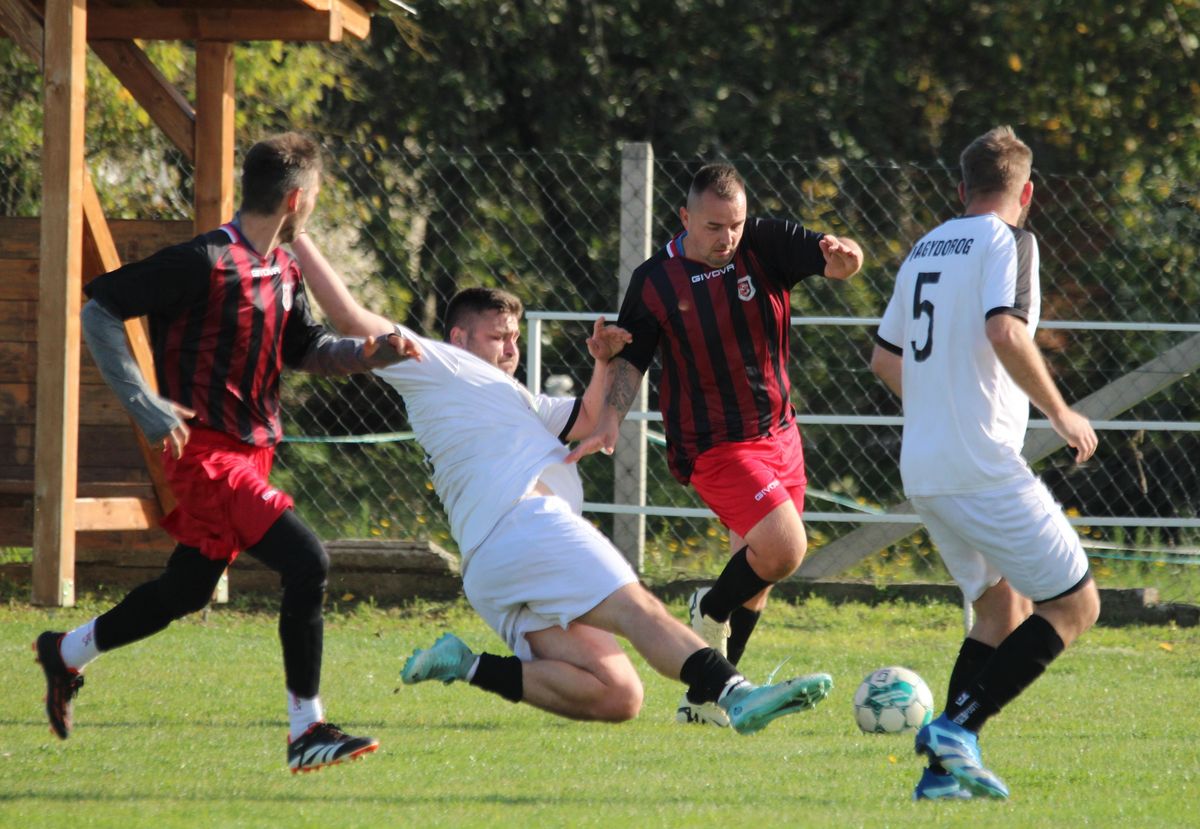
956,342
552,586
227,314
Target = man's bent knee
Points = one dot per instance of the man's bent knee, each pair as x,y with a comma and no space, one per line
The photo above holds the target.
775,563
621,701
1073,614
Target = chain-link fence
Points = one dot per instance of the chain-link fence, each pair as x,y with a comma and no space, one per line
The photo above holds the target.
409,226
1118,278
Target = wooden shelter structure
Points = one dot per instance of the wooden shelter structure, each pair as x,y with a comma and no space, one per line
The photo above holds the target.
44,262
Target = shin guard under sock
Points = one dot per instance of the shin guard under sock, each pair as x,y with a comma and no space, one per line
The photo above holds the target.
1020,659
737,584
706,673
741,624
500,675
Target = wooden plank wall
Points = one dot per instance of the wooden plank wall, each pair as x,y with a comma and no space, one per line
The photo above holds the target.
109,460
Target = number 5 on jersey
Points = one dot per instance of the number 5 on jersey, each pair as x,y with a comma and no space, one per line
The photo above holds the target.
924,306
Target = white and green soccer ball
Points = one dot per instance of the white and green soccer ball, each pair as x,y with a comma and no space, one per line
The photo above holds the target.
892,701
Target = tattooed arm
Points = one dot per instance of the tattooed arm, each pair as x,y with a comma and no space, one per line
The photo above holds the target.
624,382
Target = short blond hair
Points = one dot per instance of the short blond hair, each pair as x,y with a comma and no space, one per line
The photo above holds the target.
996,162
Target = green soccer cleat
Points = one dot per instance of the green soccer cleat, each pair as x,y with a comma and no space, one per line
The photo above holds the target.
448,659
751,708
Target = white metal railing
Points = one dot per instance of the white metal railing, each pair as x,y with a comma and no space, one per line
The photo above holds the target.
533,371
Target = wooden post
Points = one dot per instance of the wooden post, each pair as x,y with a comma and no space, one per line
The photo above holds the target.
214,134
57,436
629,458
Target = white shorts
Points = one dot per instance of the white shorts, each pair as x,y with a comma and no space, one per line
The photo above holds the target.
1017,532
541,566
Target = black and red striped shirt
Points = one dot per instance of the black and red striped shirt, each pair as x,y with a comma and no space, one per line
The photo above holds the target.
224,320
722,334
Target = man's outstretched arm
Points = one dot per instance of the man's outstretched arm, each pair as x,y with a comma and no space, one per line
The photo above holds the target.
346,316
604,344
624,382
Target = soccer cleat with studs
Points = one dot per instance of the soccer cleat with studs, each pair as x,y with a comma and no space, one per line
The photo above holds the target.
715,634
324,744
751,708
62,683
939,785
957,750
447,659
704,713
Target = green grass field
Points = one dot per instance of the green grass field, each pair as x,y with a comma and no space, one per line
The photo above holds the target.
188,729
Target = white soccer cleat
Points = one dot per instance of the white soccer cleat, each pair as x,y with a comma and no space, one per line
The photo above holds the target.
715,634
704,713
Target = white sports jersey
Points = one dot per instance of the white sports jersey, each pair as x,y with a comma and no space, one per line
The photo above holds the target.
964,416
489,439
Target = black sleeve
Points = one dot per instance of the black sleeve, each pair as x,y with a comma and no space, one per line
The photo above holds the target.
636,318
566,430
302,332
165,283
787,250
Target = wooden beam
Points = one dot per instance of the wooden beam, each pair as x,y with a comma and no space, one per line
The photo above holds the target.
20,22
229,25
135,238
356,20
102,251
165,104
93,514
57,438
214,134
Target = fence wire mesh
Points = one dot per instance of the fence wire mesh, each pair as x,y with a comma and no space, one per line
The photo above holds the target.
410,227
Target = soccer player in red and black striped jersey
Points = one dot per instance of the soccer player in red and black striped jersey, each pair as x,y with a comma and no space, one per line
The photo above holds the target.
227,313
715,305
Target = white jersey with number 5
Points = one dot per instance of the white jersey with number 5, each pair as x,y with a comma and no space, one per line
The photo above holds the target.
964,417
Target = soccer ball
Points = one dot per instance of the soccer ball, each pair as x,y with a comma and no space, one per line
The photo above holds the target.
891,701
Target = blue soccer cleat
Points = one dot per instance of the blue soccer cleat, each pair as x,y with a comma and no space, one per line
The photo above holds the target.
448,659
751,707
957,750
937,785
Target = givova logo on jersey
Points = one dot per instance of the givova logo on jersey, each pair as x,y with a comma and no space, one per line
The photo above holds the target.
745,288
287,294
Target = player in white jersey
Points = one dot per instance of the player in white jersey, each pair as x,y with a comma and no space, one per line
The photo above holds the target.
956,343
551,585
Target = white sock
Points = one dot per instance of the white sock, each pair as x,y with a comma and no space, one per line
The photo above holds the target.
78,647
302,713
471,670
735,681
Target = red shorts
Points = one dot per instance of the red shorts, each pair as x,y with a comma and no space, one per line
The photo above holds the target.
224,501
743,481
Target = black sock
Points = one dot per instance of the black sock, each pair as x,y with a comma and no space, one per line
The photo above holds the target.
1019,660
185,586
706,673
741,625
500,675
737,584
972,656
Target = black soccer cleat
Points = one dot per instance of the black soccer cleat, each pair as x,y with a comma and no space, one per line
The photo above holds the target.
62,683
324,744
